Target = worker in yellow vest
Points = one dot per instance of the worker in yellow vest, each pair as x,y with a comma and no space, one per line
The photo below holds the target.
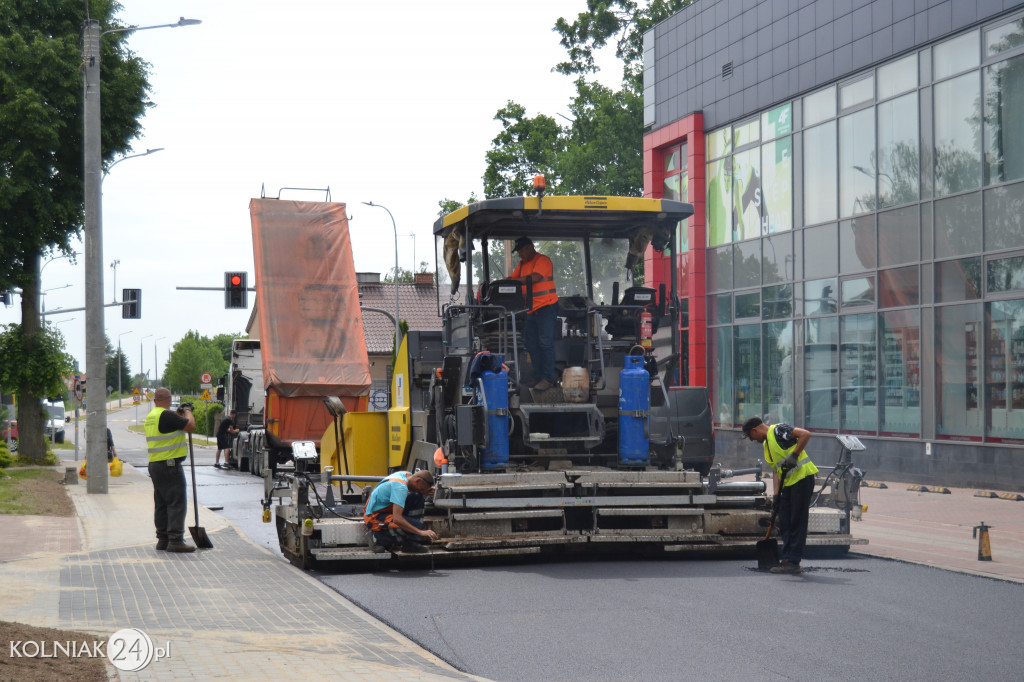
539,332
794,484
168,448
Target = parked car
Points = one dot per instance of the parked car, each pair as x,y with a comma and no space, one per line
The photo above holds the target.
9,433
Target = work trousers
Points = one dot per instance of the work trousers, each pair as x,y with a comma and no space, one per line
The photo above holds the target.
392,535
539,337
170,501
794,510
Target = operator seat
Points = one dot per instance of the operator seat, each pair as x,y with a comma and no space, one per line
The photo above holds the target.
508,293
626,323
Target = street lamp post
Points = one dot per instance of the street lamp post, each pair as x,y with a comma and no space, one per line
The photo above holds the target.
96,424
156,370
119,372
141,373
42,296
398,318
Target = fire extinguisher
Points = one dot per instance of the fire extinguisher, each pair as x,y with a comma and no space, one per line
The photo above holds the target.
646,337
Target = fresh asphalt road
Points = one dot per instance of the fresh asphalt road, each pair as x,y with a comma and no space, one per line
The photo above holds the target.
856,618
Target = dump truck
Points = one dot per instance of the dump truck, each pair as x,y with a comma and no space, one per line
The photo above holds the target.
617,456
241,391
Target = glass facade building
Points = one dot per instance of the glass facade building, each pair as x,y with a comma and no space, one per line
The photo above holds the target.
863,244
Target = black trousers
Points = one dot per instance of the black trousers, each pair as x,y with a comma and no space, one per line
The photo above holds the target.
170,499
794,509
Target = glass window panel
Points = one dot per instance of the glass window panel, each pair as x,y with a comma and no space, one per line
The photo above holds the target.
777,344
899,287
820,297
958,346
670,187
1009,36
821,251
672,160
958,280
777,258
956,225
1003,209
897,77
720,202
1004,111
778,302
720,367
1005,274
820,106
745,133
748,304
857,244
1004,371
956,55
957,134
899,236
721,308
858,291
820,164
858,383
777,122
898,152
746,258
900,373
777,186
821,373
719,143
720,263
746,190
747,359
858,92
856,163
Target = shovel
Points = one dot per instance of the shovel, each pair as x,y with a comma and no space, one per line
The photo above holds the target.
199,535
768,549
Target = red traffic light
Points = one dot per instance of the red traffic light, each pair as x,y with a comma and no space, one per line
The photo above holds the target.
236,280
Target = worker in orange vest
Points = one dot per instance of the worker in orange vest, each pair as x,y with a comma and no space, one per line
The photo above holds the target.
541,320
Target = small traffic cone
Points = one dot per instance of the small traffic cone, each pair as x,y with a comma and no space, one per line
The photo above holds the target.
984,548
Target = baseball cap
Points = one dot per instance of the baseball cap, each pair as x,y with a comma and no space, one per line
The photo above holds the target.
521,242
750,425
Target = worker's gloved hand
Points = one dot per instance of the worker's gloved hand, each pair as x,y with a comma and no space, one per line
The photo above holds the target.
789,462
186,406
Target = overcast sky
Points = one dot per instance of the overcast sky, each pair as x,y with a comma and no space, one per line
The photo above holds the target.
389,102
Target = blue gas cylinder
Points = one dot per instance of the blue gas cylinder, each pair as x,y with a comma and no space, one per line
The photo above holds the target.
495,389
634,404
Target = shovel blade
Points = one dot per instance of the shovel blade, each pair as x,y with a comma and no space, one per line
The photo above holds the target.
200,537
767,554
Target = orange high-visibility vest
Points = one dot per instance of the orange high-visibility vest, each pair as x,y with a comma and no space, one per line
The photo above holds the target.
544,290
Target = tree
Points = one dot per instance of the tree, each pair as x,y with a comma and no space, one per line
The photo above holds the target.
41,184
36,366
115,362
223,343
189,358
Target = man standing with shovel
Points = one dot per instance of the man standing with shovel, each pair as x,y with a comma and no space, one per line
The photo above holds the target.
794,484
168,448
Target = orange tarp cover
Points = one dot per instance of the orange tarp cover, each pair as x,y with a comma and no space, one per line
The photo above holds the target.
307,299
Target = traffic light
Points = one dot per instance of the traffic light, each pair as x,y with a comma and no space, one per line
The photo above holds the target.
236,290
131,304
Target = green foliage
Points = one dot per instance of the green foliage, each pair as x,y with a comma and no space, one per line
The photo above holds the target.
223,343
49,458
6,458
525,147
41,108
37,362
189,358
447,206
210,412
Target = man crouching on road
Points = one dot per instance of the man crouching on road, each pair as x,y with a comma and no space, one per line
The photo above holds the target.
394,513
165,440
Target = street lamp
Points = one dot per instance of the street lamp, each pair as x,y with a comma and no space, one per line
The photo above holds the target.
119,372
42,296
398,318
95,353
141,373
156,371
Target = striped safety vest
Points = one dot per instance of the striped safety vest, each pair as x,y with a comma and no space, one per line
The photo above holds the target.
544,290
775,453
163,446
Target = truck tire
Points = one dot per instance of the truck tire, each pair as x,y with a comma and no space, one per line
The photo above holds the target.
59,438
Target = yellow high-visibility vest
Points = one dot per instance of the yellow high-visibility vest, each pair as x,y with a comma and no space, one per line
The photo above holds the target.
163,446
775,453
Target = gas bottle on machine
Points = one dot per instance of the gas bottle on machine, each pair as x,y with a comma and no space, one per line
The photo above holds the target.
634,405
646,333
493,393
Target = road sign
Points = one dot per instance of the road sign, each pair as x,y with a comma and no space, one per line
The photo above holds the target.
205,396
206,386
79,390
206,378
136,398
136,392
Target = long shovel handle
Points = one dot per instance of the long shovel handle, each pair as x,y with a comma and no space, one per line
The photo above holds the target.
775,505
192,466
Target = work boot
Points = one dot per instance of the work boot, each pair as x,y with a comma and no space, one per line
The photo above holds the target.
413,548
178,545
371,542
161,544
786,568
543,385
